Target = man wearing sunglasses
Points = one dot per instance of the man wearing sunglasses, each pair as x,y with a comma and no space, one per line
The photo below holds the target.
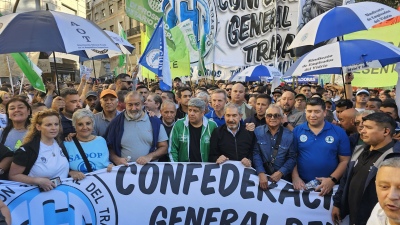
323,149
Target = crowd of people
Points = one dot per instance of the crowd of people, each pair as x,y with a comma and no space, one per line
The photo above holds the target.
315,137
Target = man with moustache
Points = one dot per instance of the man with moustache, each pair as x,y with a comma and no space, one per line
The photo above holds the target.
356,195
231,141
262,103
291,117
168,113
134,135
109,102
237,97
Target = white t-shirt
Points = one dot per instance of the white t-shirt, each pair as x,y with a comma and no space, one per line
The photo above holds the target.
51,162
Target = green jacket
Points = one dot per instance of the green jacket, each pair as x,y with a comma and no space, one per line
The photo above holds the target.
179,140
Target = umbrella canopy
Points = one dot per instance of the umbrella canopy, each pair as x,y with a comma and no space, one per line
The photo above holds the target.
345,56
257,73
50,31
343,20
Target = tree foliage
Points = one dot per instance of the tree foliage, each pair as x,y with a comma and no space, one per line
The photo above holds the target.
391,3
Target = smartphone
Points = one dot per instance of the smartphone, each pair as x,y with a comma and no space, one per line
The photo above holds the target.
56,181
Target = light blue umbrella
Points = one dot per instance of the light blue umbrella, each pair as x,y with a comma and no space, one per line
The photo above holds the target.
256,73
344,57
343,20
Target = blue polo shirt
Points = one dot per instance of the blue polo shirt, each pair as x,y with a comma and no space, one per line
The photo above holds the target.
318,154
213,117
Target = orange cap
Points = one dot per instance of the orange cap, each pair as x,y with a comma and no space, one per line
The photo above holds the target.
108,92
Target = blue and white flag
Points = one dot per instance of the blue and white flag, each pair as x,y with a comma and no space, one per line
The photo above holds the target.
155,57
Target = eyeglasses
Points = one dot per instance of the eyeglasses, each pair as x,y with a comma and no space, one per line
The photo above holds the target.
128,82
228,89
269,115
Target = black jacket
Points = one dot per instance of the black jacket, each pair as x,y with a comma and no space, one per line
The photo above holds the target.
369,199
254,119
233,147
27,154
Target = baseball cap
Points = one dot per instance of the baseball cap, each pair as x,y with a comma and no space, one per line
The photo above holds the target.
108,92
362,91
91,93
301,95
277,92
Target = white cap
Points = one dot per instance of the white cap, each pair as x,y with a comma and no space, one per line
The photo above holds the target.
362,91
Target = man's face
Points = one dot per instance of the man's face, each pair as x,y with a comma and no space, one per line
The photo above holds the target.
150,104
177,84
372,105
315,115
340,110
300,103
372,133
390,111
232,118
168,113
72,103
218,101
262,105
195,115
388,192
165,97
306,91
359,123
346,122
109,103
144,92
382,97
252,102
91,102
326,96
185,97
362,98
229,89
273,117
159,92
287,101
133,106
237,95
275,96
126,83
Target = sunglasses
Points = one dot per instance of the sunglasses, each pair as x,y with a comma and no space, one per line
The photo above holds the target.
228,89
128,82
269,115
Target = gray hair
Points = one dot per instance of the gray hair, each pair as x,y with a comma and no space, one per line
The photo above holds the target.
80,113
198,103
365,113
157,99
232,105
203,94
167,102
392,162
273,106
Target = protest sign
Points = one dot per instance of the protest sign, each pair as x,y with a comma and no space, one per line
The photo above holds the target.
167,193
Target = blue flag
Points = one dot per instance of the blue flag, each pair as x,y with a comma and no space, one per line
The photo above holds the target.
155,57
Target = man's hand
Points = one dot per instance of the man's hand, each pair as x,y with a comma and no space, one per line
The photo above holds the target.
250,126
50,88
336,215
95,87
263,182
396,136
76,175
58,103
246,162
326,185
349,77
70,136
275,177
142,160
298,183
120,161
284,119
45,183
222,159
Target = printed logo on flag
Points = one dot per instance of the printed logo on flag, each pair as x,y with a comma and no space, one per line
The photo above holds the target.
153,58
104,51
92,203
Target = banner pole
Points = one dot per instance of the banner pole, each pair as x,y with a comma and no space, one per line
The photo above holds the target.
9,71
22,83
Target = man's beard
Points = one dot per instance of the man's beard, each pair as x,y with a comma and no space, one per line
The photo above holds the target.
134,115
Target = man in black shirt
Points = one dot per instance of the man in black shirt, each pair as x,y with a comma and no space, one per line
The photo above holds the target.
262,103
183,95
356,195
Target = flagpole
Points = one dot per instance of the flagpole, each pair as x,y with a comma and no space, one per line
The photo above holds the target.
9,71
55,70
22,83
94,71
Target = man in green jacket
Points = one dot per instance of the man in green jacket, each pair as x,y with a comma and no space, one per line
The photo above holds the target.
190,137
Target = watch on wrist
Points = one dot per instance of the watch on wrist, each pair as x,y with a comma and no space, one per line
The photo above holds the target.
333,179
285,124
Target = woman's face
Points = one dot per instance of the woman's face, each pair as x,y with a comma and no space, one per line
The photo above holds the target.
18,112
6,99
49,127
84,127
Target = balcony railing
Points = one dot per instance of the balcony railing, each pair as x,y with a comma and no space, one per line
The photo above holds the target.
133,31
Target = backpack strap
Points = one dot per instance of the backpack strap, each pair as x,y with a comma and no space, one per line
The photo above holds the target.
84,157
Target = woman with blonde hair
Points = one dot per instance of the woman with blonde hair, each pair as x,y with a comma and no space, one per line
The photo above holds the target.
4,98
42,156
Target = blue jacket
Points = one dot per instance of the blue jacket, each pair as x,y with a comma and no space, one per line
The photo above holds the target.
115,131
285,159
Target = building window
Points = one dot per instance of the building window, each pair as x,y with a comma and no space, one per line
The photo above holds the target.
119,4
112,28
103,12
111,9
140,48
89,17
96,16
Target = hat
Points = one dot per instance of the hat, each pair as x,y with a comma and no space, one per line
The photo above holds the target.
108,92
276,92
91,93
301,95
362,91
177,79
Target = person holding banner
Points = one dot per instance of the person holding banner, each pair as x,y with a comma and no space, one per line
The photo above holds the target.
274,153
42,156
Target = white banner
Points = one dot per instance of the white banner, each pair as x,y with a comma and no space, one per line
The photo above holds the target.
167,193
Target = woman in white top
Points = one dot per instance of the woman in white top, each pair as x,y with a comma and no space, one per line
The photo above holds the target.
42,156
